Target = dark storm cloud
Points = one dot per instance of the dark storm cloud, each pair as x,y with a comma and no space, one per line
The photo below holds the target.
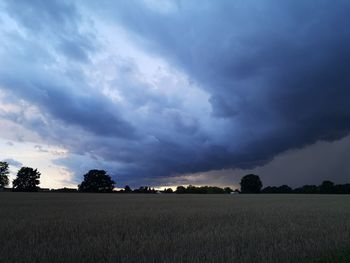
277,71
59,90
91,111
57,21
73,50
39,14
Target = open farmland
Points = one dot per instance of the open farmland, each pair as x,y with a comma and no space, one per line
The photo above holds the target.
57,227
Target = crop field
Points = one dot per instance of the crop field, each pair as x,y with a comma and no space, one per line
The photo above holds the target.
61,227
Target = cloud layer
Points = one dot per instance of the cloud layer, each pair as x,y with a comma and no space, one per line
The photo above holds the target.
150,90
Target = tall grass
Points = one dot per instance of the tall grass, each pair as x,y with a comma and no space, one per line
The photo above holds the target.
57,227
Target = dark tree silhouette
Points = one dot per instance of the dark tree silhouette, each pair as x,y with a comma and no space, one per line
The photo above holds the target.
145,190
327,187
27,180
191,189
342,189
127,189
307,189
251,183
211,190
228,190
65,190
97,181
270,190
4,172
180,190
168,191
283,189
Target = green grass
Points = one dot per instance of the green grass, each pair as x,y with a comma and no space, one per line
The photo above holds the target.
58,227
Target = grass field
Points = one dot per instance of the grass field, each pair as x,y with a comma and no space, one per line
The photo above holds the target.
58,227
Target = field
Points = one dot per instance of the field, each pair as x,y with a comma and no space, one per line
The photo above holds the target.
58,227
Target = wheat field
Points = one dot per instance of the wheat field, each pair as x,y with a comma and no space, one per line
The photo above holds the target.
61,227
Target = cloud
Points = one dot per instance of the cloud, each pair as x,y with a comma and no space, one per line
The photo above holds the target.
276,71
310,165
13,162
55,21
56,86
152,90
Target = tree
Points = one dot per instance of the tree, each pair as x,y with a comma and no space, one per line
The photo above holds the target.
283,189
327,187
65,190
97,181
211,190
342,189
4,172
127,189
145,190
180,189
168,191
191,189
228,190
307,189
251,183
27,180
270,190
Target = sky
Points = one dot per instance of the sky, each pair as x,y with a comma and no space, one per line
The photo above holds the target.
165,93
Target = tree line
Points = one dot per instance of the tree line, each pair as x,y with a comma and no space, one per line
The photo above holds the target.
27,178
252,183
98,181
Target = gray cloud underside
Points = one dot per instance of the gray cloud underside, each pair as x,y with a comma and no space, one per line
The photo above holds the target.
276,72
65,95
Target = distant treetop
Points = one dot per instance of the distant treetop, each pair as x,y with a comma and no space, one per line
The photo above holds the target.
97,181
251,183
4,172
27,180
